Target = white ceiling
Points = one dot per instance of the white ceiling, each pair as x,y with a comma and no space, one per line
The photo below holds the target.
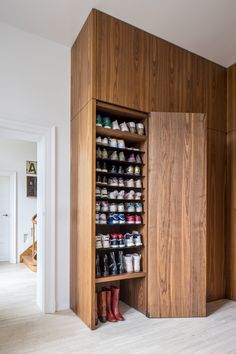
205,27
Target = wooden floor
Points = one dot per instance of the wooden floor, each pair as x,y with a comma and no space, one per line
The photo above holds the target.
23,329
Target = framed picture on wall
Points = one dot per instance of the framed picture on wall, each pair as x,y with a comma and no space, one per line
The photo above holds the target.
31,167
31,186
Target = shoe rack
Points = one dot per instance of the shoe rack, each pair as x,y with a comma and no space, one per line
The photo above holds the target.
117,166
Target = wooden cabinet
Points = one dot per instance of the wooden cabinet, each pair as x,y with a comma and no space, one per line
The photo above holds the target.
123,72
231,187
83,214
216,191
177,215
122,63
181,81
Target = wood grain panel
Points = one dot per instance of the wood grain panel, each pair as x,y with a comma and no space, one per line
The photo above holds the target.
181,81
231,98
83,64
177,215
216,196
83,214
231,217
74,214
122,63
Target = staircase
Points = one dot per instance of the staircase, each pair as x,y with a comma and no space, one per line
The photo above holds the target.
29,256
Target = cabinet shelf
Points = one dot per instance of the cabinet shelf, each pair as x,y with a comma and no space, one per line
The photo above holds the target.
124,276
124,175
122,225
121,200
114,162
110,148
121,212
133,138
118,187
119,248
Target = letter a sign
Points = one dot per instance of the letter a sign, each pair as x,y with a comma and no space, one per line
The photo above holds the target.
31,167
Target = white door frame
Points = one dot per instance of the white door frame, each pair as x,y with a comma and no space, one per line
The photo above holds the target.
45,137
12,226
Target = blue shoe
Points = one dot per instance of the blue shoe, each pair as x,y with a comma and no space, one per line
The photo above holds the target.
113,219
121,218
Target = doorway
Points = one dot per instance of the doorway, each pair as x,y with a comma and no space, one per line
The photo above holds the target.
4,218
44,137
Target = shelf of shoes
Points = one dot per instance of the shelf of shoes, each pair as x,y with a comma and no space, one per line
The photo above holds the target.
125,150
119,161
113,133
123,276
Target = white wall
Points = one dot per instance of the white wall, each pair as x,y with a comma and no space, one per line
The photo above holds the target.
35,87
13,157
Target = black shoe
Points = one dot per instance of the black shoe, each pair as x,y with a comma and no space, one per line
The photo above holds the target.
112,264
98,267
105,269
120,263
113,169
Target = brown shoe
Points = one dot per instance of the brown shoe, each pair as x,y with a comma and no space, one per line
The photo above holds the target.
115,303
102,313
110,315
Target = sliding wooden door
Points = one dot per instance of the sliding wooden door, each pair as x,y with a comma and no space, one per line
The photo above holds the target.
177,215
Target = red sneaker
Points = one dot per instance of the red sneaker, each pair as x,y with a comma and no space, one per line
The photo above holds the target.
138,219
130,219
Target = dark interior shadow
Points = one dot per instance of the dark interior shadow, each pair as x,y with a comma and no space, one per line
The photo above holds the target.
215,306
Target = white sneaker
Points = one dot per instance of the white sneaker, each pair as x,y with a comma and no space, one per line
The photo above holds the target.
121,195
123,127
130,195
113,208
104,193
138,196
112,142
113,194
105,241
136,262
115,125
98,206
98,140
137,238
97,218
104,141
102,219
129,263
132,127
121,144
98,241
99,153
121,208
113,181
130,208
104,206
138,183
121,156
129,183
114,156
104,154
129,240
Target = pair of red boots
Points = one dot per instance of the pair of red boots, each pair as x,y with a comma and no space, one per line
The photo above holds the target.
108,305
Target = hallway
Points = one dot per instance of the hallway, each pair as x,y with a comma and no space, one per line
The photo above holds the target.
23,329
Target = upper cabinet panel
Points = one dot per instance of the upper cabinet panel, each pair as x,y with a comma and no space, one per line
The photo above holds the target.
83,66
181,81
231,119
122,63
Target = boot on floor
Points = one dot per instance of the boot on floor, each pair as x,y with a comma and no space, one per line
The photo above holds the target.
110,316
102,304
115,303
